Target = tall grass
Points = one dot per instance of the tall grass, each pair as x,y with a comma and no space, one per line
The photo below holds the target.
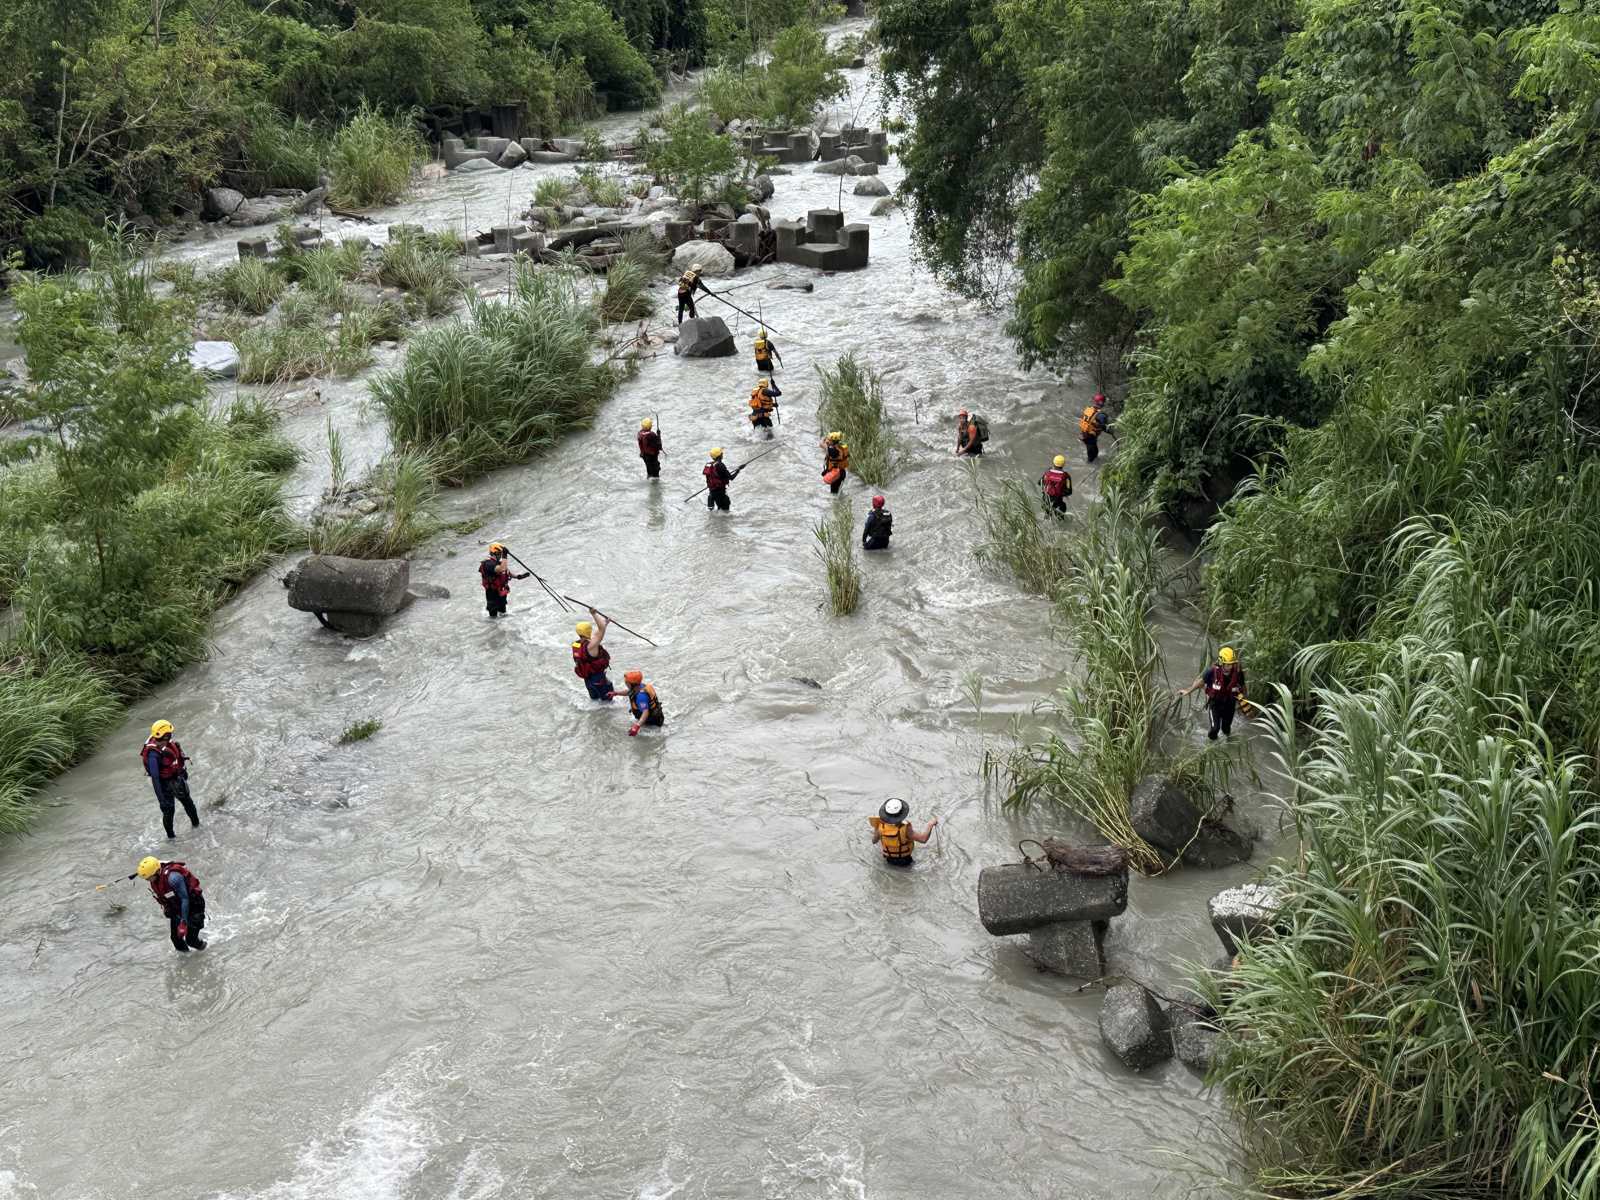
1039,556
835,549
501,384
282,154
555,191
627,295
407,483
372,157
852,402
1425,1023
426,269
249,286
50,712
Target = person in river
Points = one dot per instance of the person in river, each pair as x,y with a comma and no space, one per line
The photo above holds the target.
764,404
1057,485
643,702
1224,685
880,525
177,891
495,573
650,448
688,284
168,769
1091,424
590,658
835,461
766,350
970,434
894,833
717,479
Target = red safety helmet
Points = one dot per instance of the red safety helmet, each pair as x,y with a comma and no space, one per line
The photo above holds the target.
877,502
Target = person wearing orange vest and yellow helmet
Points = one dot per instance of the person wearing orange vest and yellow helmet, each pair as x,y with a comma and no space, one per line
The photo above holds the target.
894,833
590,658
643,702
168,768
1091,424
835,461
764,404
1224,685
766,350
1057,485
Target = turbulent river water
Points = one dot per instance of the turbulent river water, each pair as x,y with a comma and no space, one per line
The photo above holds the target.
503,950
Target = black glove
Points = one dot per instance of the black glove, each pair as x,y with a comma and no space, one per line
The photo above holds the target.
525,574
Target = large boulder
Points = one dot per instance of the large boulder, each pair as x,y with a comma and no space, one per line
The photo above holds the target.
1018,897
866,168
870,187
885,206
1162,814
219,360
265,210
705,337
476,164
1223,841
714,258
222,202
1134,1028
1075,948
327,583
1194,1038
513,155
1245,913
764,188
839,166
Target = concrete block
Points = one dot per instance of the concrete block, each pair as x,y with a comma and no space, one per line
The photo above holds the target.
531,244
255,247
491,147
829,147
1243,913
857,238
1134,1028
1017,898
679,232
823,224
550,157
503,234
1075,948
745,236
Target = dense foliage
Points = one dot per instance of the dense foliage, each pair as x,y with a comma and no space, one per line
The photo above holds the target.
122,107
1346,251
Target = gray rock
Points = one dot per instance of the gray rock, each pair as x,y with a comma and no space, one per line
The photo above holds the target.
1194,1038
1134,1028
705,337
328,583
476,164
764,188
354,624
839,166
871,187
1162,814
885,206
222,202
220,360
267,210
1221,842
427,591
1075,948
714,258
791,285
1017,897
312,201
551,157
865,168
494,147
513,155
1246,913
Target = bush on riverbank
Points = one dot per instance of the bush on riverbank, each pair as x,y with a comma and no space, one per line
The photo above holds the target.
506,381
372,158
852,402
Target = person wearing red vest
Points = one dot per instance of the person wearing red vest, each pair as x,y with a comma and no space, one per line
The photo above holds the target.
590,658
1057,485
496,575
717,479
650,448
177,891
1224,685
168,769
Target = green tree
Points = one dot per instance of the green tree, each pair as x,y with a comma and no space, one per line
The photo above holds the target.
686,156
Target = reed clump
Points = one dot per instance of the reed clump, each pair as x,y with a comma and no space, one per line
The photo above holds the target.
372,157
835,549
852,402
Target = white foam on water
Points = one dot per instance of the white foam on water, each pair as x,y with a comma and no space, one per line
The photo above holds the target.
664,1186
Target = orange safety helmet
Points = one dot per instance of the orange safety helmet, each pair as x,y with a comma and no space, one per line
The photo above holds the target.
632,677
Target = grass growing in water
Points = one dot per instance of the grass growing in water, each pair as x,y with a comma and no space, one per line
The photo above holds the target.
627,295
426,269
836,542
852,402
360,731
1036,553
50,712
407,483
506,381
249,286
372,158
555,191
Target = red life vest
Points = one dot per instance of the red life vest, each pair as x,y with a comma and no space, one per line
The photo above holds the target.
162,890
493,580
585,664
714,479
1225,681
649,442
1056,482
172,759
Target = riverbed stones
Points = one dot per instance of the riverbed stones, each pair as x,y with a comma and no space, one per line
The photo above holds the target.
1247,912
1194,1038
476,164
1164,815
218,360
1075,948
254,247
513,155
885,206
330,584
264,210
715,259
839,166
1018,897
222,202
1134,1028
763,188
704,337
870,187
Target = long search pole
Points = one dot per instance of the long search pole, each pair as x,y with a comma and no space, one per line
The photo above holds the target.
736,470
611,619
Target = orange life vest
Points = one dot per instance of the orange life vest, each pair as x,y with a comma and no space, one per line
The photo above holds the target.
895,839
1091,422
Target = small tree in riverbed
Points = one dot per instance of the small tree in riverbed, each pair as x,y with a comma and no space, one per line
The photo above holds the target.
685,155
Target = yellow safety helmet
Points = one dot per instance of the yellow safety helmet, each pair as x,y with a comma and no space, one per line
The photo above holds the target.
148,866
161,729
716,452
1225,656
496,548
835,436
584,629
763,383
1061,460
763,332
645,424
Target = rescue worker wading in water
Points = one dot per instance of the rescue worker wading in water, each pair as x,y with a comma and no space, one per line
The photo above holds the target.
650,448
766,351
1224,685
689,283
496,575
1057,485
763,404
880,525
717,479
969,438
893,831
835,461
643,703
590,658
177,891
168,769
1091,424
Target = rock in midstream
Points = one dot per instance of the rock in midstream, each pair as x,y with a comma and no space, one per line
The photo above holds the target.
1134,1028
1247,912
327,583
1018,897
1194,1038
705,337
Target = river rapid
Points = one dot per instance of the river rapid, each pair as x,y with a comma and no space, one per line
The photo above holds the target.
501,949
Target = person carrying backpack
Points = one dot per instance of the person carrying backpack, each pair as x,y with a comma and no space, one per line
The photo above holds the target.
972,431
1091,424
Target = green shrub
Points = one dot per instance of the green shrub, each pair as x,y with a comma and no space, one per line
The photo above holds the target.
248,286
407,485
360,731
836,541
1038,555
852,402
685,155
508,380
627,295
425,268
282,153
372,158
555,191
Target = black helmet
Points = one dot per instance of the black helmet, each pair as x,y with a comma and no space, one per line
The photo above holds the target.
894,810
